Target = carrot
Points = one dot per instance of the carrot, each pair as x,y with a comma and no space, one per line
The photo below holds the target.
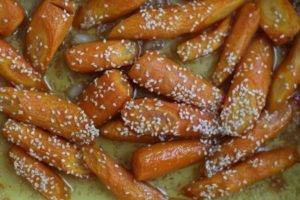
159,74
268,127
48,112
50,24
15,69
117,179
241,175
205,43
249,88
159,159
160,118
11,16
172,21
95,12
286,79
105,96
99,56
244,28
279,20
41,178
45,147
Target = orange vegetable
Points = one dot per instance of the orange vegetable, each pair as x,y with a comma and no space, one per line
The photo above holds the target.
48,112
99,56
41,178
244,28
117,179
249,88
172,21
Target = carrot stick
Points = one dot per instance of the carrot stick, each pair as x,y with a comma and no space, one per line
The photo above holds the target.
11,16
48,112
105,96
117,179
249,88
159,74
50,24
41,178
244,28
99,56
241,175
172,21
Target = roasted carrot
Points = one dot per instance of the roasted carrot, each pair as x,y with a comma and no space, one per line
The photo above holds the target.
11,16
45,147
286,79
41,178
116,178
95,12
105,96
159,74
279,20
244,28
249,88
49,25
172,21
15,69
48,112
205,43
99,56
268,127
160,118
159,159
241,175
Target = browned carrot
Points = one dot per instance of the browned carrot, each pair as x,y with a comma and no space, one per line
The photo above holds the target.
286,79
46,147
241,175
99,56
247,22
11,16
95,12
279,20
162,158
116,178
50,24
268,127
105,96
14,68
48,112
172,21
160,118
249,88
205,43
41,178
159,74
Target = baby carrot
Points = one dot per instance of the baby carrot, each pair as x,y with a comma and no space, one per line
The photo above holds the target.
99,56
249,88
15,69
159,159
205,43
241,175
41,178
95,12
159,74
11,16
105,96
48,112
48,27
116,178
172,21
46,147
244,28
286,79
